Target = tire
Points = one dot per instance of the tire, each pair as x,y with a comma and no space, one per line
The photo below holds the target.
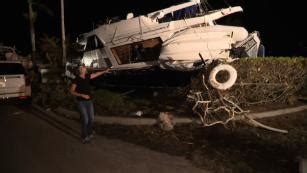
225,85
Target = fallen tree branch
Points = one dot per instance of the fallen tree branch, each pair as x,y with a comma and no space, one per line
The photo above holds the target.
258,124
212,107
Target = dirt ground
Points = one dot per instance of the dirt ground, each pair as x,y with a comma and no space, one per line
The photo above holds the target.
235,148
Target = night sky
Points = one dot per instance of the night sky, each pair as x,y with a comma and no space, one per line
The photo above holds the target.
280,24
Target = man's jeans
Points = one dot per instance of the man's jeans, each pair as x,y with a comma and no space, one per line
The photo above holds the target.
86,110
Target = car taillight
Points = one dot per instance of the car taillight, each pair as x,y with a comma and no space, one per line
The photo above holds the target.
23,97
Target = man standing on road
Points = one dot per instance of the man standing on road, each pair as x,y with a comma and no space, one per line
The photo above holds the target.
81,88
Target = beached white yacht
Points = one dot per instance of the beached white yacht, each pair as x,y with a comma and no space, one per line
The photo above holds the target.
172,38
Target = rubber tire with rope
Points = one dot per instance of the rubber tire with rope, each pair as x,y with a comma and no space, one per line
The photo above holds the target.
225,85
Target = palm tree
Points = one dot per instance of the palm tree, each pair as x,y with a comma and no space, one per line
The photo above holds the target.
32,18
51,49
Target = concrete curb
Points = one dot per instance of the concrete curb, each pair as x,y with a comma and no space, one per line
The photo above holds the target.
151,121
277,112
48,112
119,120
60,122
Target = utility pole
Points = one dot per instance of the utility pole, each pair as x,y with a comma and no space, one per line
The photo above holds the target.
64,58
32,30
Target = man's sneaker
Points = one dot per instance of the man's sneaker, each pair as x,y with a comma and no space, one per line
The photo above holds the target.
86,140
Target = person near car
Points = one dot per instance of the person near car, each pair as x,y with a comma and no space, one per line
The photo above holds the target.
81,88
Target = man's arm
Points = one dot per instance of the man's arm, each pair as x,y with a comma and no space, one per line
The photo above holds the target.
94,75
73,92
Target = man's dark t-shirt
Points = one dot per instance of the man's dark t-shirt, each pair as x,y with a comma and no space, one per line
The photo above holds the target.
83,86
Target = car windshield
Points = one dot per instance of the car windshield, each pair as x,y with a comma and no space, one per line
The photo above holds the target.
11,69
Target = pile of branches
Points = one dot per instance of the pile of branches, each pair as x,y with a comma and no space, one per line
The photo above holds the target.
214,106
260,80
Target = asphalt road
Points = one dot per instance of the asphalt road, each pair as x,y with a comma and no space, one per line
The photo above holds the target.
33,142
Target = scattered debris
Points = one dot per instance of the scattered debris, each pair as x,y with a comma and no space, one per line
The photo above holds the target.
138,113
165,121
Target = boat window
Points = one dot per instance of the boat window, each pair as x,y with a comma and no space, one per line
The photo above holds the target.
147,50
93,42
184,13
188,12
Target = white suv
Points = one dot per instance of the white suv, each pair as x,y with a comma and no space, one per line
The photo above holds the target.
13,82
